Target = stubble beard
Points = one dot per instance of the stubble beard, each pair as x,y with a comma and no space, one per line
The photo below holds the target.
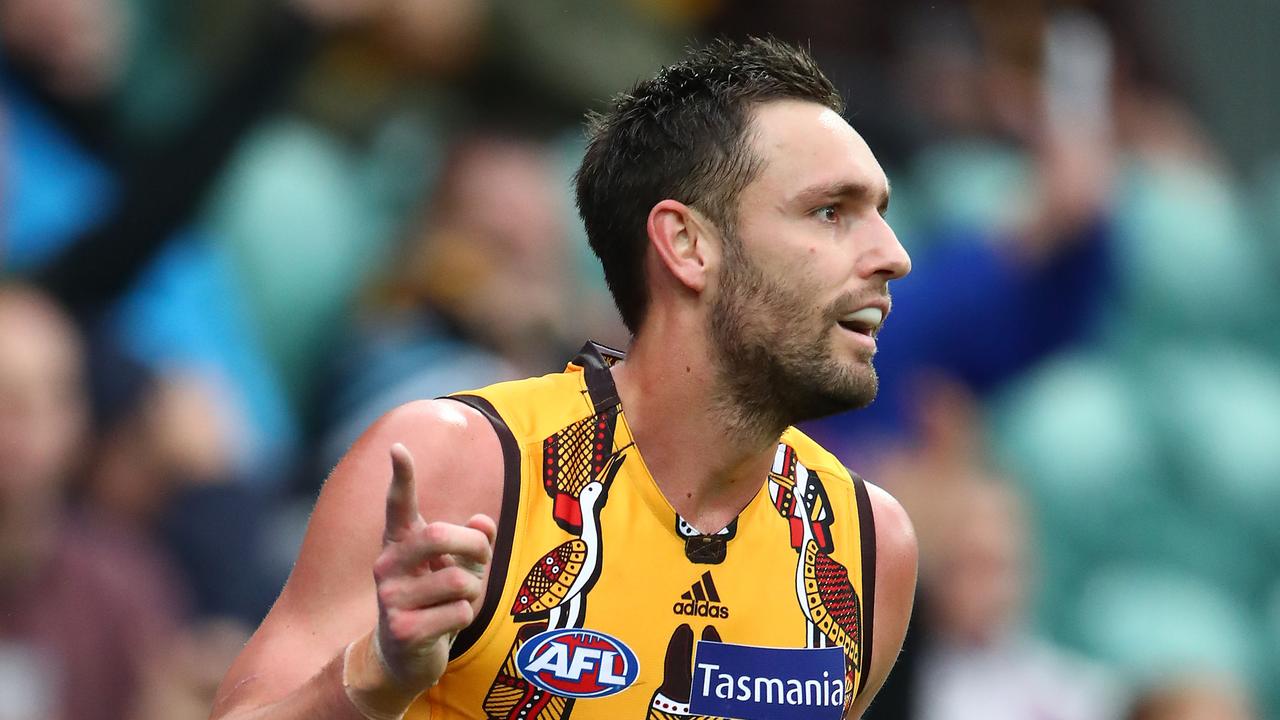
774,356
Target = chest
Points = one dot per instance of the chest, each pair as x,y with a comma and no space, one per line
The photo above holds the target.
642,587
633,607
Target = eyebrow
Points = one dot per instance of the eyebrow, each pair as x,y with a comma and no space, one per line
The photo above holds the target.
850,190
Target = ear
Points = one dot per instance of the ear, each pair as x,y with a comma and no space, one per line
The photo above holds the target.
683,242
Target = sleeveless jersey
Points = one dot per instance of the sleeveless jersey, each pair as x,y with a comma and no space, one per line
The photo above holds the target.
603,603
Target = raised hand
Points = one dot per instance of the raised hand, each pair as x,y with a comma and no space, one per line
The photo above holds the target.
429,586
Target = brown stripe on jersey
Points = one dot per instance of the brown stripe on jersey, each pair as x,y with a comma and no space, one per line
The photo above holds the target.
595,360
506,524
867,528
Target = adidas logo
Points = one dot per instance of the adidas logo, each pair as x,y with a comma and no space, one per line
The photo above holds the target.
701,600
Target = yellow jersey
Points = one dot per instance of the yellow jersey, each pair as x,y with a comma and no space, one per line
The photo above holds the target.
603,603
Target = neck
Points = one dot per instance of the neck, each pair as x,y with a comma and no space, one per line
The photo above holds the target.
708,455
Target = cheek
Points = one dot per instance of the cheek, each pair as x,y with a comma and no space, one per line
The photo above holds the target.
782,286
820,264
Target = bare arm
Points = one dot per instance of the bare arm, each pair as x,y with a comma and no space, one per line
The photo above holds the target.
896,559
372,567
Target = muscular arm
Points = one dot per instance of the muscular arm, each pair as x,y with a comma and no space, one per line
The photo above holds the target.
896,558
292,667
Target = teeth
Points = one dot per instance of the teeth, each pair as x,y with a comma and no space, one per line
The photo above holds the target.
868,316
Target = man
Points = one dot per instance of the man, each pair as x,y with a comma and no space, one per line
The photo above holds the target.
628,539
85,606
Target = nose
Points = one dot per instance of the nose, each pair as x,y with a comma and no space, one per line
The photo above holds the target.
883,255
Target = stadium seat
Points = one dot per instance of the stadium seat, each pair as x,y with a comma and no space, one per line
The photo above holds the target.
1189,261
1151,622
1217,407
1073,434
301,248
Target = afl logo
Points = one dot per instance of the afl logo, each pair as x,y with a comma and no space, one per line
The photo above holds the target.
577,663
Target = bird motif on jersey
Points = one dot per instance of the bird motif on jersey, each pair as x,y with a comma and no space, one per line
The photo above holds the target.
571,457
556,583
782,490
826,595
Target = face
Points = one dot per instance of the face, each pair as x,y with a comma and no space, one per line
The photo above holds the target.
803,287
506,282
42,405
982,567
78,45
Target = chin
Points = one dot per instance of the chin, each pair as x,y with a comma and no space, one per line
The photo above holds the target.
860,387
836,397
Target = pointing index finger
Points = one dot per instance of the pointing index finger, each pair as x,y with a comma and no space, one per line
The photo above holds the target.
402,496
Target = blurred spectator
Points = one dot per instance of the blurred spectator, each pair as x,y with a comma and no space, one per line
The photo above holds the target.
314,197
481,292
1008,207
75,47
91,207
980,662
83,606
977,654
95,211
175,431
164,469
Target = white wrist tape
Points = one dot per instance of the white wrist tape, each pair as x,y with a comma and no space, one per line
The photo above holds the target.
372,699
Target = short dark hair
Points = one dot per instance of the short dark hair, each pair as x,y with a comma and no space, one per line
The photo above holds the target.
682,134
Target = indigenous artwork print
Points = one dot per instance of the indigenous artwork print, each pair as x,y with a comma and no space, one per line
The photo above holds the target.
826,595
671,700
578,466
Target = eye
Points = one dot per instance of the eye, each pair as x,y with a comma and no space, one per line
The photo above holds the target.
828,214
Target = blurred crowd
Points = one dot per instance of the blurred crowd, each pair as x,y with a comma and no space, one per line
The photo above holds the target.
233,233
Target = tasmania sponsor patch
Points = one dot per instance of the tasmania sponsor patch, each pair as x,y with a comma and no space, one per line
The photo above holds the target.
577,663
761,683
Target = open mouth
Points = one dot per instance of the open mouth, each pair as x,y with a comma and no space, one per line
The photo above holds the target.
866,321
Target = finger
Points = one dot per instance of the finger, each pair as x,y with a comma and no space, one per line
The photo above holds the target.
414,592
440,562
402,496
433,541
480,522
489,529
486,525
413,628
445,545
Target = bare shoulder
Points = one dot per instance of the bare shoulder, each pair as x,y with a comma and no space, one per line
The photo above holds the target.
458,472
897,555
457,456
896,548
329,599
